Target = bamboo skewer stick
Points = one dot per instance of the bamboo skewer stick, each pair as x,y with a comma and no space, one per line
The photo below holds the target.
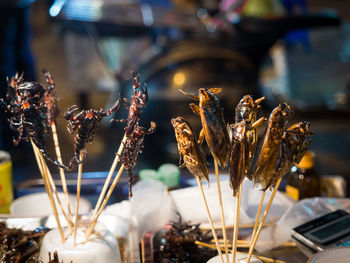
246,243
236,226
80,170
250,225
43,171
109,193
258,214
61,170
210,219
262,220
54,189
108,179
223,226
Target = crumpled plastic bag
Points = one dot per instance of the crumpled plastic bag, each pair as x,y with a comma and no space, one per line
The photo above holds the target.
189,203
298,214
150,208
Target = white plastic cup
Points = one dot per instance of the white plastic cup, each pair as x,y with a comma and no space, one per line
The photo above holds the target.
101,247
240,258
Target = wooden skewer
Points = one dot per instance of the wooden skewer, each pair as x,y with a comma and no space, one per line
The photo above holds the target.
223,226
40,159
258,214
265,259
80,171
108,179
54,189
262,220
240,243
250,225
236,226
210,219
62,175
246,243
109,193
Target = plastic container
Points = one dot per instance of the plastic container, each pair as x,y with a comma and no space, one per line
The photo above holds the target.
333,255
101,247
6,191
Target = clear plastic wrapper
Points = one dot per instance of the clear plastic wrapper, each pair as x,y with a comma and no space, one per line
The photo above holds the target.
298,214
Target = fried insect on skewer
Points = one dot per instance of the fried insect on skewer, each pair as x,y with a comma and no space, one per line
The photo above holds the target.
264,170
85,123
247,110
27,114
292,147
243,139
133,146
49,99
139,99
294,143
194,160
214,128
190,152
237,156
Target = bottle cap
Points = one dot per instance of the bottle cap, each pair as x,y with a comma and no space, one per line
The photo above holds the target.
170,174
307,161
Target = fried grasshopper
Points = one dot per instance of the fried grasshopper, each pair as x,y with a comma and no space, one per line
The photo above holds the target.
294,144
214,128
237,156
243,139
191,153
265,167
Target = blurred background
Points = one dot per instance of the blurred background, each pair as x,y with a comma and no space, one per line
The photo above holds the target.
294,51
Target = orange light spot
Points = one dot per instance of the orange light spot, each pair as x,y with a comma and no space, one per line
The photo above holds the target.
25,105
89,115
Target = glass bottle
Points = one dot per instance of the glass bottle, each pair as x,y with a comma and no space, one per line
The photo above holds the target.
303,180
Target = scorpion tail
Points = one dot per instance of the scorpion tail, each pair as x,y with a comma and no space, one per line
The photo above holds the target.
52,160
131,179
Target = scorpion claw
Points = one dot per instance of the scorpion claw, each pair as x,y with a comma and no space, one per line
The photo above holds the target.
68,115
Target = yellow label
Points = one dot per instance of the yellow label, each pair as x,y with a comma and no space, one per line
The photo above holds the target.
292,192
6,194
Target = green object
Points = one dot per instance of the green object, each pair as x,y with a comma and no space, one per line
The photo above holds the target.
170,174
147,174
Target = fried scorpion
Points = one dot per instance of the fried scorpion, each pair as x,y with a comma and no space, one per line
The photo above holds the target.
133,146
49,100
85,123
27,114
139,99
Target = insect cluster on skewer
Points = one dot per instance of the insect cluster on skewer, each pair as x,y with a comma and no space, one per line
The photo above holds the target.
134,133
282,147
33,111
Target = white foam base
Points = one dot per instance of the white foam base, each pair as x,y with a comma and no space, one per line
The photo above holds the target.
101,247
